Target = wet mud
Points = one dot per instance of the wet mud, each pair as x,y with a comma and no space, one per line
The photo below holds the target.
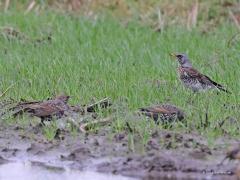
166,155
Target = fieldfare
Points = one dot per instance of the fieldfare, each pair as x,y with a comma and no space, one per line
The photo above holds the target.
163,112
192,78
45,110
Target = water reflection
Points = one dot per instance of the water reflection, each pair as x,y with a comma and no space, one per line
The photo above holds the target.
25,171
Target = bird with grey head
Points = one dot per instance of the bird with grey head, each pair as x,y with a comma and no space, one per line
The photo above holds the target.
183,60
192,78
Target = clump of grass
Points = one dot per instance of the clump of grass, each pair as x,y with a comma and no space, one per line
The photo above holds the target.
50,130
155,13
152,12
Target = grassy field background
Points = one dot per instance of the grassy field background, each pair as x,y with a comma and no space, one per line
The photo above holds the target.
94,58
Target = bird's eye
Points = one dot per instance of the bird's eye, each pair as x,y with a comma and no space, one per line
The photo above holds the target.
179,56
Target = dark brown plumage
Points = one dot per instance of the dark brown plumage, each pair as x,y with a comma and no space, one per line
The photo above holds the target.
197,81
192,78
163,112
45,110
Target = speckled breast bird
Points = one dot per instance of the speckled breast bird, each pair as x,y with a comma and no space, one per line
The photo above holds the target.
45,110
192,78
163,112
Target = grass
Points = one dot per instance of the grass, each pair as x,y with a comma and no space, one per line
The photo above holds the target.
151,12
92,59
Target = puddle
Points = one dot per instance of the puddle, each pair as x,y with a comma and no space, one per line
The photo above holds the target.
27,171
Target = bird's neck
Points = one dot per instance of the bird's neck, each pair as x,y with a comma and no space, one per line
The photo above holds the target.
186,65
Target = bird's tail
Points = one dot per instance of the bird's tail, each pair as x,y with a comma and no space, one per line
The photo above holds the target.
221,88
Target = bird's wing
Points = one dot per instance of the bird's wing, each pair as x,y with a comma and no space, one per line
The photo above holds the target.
204,79
43,109
193,73
219,86
155,109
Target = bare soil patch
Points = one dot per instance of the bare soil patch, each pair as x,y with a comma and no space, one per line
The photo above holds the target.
167,154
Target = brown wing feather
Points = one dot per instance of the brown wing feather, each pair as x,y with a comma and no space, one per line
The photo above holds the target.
42,110
155,109
197,75
45,109
203,78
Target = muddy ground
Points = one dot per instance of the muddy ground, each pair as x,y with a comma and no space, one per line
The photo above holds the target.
167,155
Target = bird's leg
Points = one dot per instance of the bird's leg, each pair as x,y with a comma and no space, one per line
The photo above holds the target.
207,123
39,125
42,123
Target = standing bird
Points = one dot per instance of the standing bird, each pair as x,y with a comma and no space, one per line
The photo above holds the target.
163,112
45,110
192,78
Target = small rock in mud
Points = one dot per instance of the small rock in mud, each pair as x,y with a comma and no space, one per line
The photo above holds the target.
168,135
17,128
9,151
78,154
155,134
94,142
198,154
47,166
119,137
152,144
37,149
3,160
161,164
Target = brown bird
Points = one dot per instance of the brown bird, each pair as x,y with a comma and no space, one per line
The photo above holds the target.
192,78
45,110
163,112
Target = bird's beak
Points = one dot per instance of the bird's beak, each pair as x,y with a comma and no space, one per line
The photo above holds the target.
172,55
